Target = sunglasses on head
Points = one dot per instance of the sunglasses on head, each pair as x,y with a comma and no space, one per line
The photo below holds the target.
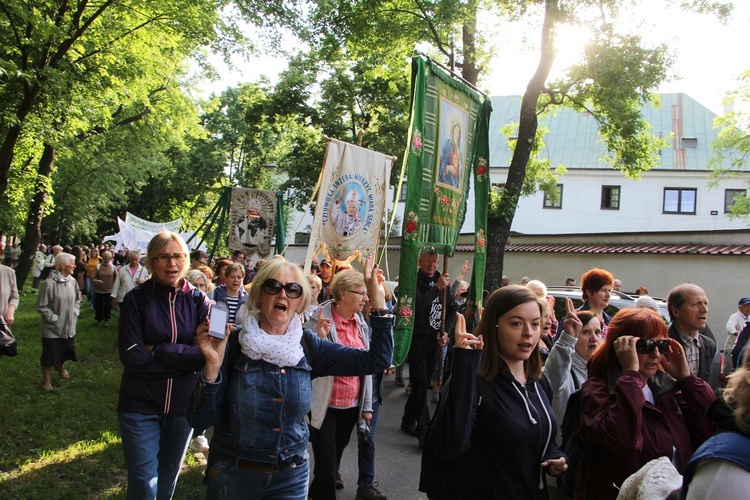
647,346
273,287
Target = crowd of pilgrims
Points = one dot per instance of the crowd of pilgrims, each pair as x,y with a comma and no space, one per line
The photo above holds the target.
303,356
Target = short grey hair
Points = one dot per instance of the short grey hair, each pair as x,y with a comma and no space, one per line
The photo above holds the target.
63,259
646,302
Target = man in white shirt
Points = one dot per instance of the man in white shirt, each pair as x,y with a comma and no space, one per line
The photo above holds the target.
734,326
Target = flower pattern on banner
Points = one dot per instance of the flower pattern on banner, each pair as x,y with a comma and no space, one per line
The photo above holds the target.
405,311
416,143
410,226
482,169
447,204
481,242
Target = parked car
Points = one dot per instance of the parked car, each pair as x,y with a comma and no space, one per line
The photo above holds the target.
617,301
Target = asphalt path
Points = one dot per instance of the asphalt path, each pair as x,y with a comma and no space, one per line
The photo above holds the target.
397,455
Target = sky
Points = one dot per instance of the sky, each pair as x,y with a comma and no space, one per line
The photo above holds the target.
709,56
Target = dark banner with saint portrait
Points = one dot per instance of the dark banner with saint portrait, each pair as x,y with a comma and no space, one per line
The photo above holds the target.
351,201
448,148
252,214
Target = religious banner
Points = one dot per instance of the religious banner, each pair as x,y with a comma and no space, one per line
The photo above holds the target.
131,237
153,227
447,146
252,216
351,201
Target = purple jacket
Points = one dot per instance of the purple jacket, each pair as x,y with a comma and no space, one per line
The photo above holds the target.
159,382
625,431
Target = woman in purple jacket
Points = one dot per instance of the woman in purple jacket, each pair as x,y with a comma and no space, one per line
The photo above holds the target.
639,403
158,324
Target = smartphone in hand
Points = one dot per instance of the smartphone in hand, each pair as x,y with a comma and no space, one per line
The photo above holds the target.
218,323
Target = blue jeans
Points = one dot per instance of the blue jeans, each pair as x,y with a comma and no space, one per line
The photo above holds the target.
225,481
154,447
366,452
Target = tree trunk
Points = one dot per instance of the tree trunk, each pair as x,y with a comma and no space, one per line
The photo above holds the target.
33,234
498,227
469,70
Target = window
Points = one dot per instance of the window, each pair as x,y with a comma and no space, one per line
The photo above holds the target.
549,202
610,197
679,200
732,195
689,142
497,187
402,193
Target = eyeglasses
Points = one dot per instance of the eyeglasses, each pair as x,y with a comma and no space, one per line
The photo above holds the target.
361,294
273,287
164,258
647,346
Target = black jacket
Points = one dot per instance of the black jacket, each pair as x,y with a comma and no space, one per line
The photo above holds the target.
707,352
499,457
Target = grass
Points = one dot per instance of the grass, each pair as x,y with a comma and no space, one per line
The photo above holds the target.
66,443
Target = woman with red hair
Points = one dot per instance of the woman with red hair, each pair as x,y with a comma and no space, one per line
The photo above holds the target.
640,403
596,287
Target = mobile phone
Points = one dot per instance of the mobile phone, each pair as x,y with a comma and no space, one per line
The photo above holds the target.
218,323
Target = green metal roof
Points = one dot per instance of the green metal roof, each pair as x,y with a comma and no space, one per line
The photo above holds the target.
573,139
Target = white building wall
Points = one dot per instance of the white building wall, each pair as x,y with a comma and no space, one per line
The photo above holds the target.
641,204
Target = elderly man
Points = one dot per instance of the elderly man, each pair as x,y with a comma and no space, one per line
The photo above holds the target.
617,285
688,309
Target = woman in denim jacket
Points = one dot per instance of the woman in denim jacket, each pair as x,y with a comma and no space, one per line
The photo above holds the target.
258,398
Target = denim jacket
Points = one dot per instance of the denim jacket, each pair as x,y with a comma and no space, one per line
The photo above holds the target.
258,409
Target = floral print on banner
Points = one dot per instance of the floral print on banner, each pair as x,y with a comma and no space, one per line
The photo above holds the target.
481,242
410,226
405,311
416,143
482,169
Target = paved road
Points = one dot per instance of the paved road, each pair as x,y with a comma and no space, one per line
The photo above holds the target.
397,456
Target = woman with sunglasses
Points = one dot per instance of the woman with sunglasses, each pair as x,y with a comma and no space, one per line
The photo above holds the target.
639,403
258,395
159,321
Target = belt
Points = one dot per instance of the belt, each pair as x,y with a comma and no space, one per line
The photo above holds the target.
246,464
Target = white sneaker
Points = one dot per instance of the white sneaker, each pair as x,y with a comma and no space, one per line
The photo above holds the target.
199,444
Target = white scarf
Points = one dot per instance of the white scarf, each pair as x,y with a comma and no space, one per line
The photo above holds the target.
279,350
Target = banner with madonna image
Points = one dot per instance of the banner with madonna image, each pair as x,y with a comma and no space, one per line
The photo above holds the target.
351,202
252,216
448,147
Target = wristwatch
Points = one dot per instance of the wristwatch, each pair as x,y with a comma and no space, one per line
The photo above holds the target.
380,312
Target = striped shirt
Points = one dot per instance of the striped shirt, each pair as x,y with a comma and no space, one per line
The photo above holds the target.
233,303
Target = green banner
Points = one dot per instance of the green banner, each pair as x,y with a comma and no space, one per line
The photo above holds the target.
448,142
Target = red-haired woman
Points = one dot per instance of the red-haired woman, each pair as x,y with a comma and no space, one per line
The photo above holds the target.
640,403
596,287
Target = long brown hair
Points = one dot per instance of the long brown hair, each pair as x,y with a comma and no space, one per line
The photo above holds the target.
643,323
500,302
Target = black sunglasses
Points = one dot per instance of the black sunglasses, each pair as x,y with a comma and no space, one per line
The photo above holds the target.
647,346
273,287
